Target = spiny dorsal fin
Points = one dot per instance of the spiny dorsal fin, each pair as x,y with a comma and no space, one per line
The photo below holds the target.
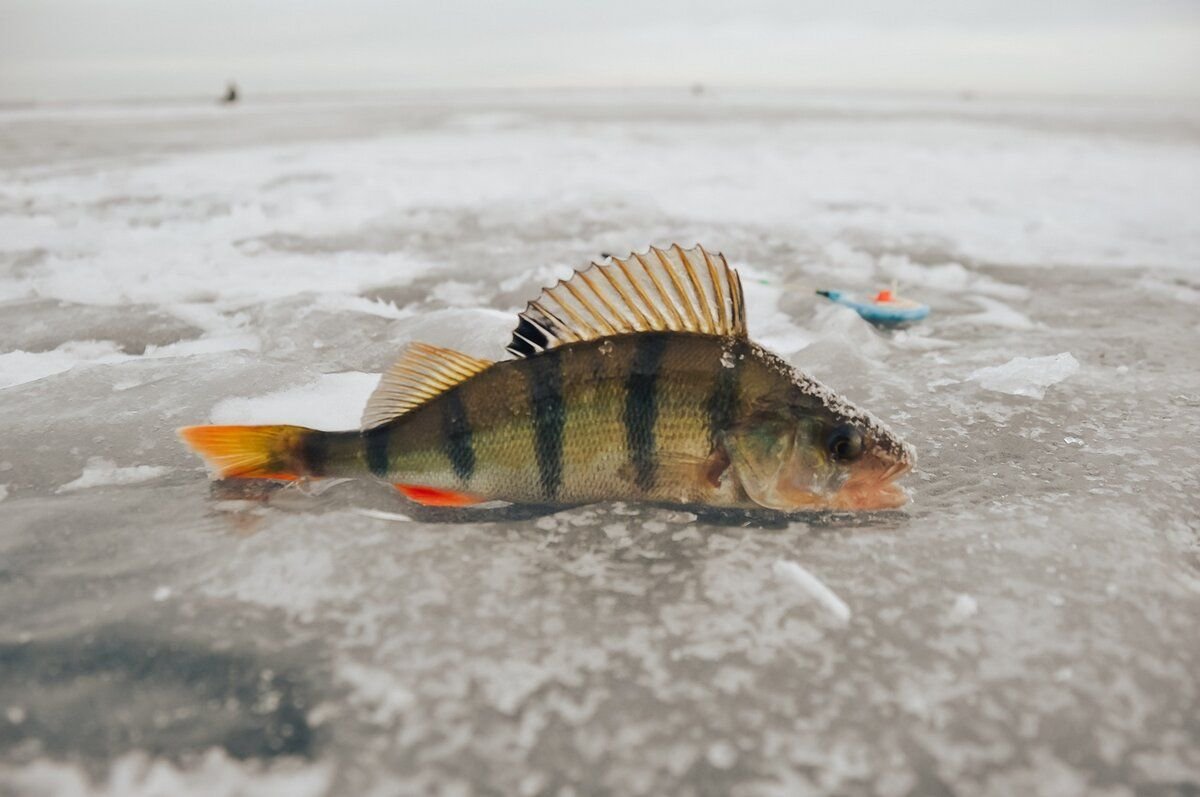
421,372
663,290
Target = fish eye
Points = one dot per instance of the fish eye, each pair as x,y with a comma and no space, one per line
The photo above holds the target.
845,443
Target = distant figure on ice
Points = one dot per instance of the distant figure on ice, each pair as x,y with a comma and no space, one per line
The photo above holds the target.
231,93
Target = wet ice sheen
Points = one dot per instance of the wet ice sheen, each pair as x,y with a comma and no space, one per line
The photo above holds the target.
1026,625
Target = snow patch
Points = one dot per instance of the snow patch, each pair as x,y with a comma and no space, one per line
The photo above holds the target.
332,402
100,472
19,367
138,775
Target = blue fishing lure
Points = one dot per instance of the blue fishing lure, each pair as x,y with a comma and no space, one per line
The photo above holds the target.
885,310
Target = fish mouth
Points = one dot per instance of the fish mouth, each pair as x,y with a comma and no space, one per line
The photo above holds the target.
872,488
869,487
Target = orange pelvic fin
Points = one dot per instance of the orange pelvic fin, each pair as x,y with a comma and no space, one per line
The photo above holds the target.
432,496
248,452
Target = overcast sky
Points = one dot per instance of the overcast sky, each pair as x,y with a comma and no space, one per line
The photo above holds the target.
92,49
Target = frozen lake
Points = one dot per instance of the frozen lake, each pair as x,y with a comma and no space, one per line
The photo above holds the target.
1026,625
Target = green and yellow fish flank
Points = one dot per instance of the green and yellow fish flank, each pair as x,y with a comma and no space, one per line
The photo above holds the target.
633,380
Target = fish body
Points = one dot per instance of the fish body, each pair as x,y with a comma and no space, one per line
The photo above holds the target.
694,413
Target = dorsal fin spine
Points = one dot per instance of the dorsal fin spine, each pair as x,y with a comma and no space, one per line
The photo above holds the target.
659,290
420,374
739,318
604,329
662,291
565,327
601,317
579,321
693,321
701,298
607,272
716,281
660,321
533,345
612,311
400,368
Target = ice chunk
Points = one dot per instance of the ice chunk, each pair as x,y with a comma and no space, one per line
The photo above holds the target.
1026,376
208,344
997,314
793,573
337,302
100,472
19,367
334,401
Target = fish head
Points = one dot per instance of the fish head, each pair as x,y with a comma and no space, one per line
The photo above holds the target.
816,451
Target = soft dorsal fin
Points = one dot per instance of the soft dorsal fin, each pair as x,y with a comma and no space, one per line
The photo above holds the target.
421,372
662,290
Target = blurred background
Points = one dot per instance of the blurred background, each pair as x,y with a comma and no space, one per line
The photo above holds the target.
82,49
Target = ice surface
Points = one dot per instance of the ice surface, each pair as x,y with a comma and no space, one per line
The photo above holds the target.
1026,376
1026,625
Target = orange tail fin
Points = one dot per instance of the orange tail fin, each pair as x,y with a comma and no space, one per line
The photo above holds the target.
250,452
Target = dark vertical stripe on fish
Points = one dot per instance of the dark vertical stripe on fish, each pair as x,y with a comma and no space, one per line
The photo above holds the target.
456,435
720,405
544,373
314,452
641,409
376,442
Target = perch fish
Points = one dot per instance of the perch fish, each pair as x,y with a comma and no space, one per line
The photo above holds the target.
633,380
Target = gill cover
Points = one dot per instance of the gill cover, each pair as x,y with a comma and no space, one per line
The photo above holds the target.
776,465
